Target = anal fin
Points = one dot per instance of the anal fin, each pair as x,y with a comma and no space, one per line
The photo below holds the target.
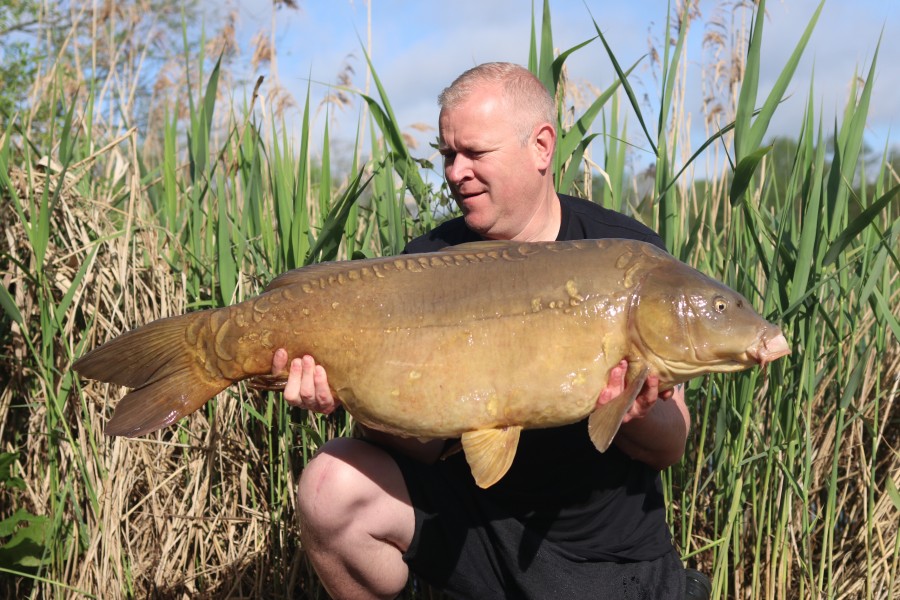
490,453
604,422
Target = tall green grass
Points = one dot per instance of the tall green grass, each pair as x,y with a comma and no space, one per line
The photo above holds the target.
789,484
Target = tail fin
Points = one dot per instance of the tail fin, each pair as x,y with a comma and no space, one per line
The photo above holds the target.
158,360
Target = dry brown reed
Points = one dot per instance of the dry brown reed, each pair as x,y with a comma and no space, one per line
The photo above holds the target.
187,518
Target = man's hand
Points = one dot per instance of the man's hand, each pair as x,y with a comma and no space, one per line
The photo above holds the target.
653,432
645,399
307,383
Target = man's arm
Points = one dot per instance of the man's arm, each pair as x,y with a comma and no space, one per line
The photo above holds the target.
655,429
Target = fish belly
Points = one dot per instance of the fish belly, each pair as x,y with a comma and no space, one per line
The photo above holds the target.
443,381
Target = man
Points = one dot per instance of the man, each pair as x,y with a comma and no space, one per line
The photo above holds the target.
566,520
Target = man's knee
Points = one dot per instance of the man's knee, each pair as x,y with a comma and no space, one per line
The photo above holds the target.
327,479
340,481
354,523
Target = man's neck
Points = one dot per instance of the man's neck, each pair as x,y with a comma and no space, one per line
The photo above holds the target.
545,222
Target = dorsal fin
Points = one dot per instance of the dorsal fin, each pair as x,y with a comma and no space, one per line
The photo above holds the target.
326,269
309,273
485,245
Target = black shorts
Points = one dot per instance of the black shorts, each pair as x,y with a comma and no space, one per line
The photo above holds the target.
471,549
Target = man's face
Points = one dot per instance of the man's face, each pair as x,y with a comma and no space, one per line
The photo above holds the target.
494,178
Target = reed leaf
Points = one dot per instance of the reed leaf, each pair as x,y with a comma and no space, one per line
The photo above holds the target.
406,167
334,225
860,223
744,173
620,73
548,70
748,136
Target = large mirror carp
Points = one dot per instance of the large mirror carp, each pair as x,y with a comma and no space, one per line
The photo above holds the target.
477,341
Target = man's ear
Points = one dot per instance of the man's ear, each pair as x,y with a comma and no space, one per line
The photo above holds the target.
543,141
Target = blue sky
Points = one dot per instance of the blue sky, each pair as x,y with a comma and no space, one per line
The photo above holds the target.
418,47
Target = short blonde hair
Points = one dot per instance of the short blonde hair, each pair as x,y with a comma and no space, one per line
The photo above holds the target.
521,90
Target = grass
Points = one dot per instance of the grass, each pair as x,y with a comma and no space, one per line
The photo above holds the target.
788,489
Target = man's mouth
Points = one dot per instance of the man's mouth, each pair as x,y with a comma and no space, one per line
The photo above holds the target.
468,197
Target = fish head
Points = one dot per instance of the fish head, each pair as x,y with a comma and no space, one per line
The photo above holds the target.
687,324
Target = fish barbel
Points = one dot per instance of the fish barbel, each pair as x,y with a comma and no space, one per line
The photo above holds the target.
477,341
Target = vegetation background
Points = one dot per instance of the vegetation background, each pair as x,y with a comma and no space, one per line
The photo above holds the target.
135,183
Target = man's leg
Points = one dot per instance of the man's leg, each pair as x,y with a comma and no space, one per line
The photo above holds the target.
356,520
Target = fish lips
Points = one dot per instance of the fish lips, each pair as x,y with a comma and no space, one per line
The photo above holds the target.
769,348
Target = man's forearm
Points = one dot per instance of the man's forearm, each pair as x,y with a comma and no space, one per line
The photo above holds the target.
658,439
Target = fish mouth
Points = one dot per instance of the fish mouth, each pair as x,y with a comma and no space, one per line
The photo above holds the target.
764,350
769,349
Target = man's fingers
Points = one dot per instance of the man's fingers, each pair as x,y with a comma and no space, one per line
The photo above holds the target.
645,400
325,400
292,387
279,361
307,384
320,385
615,384
617,375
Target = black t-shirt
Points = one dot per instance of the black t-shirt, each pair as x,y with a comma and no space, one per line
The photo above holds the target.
595,506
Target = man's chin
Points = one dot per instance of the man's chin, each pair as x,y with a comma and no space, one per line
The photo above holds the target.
475,224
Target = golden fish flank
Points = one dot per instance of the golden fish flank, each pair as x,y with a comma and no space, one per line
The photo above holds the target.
478,341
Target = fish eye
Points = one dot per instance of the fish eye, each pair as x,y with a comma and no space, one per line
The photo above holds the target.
720,304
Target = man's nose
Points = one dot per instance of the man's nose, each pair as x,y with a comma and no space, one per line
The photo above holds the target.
457,169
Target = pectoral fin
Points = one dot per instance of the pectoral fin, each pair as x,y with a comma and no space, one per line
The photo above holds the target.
605,420
490,452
